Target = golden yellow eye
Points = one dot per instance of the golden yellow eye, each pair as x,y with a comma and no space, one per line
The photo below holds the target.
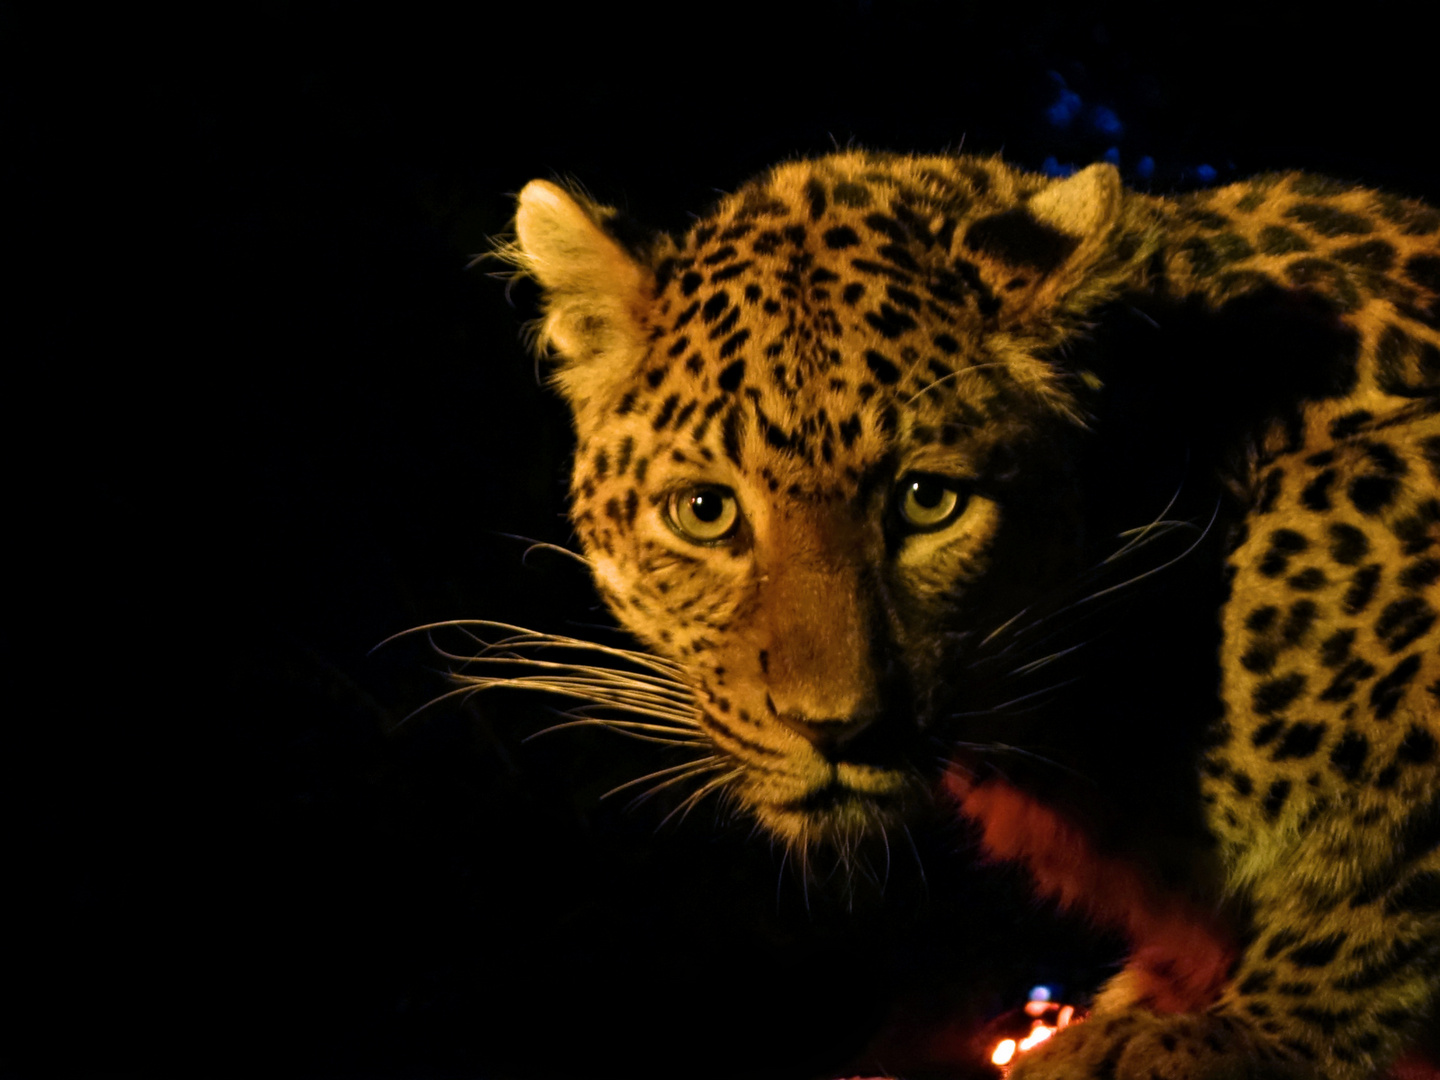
927,502
703,515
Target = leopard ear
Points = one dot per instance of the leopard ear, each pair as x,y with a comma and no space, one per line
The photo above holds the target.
1050,261
1060,252
1084,205
597,295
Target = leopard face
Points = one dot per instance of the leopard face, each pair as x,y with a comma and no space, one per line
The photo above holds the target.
813,437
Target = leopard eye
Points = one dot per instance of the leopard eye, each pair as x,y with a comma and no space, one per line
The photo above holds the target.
928,502
703,515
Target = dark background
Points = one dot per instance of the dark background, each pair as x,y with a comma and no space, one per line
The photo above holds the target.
261,417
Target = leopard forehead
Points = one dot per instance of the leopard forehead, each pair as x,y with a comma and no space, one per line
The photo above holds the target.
824,319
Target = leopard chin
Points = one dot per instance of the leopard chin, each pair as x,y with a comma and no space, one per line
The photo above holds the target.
835,805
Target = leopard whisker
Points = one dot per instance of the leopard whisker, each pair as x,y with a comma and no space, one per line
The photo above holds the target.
1143,536
683,777
652,686
632,728
780,873
954,374
1157,569
1003,627
604,628
544,545
1142,531
684,769
1053,627
1036,665
678,721
530,639
523,638
681,721
1146,535
599,682
914,850
1012,751
637,705
640,706
805,869
1004,706
885,842
573,675
460,691
691,800
951,764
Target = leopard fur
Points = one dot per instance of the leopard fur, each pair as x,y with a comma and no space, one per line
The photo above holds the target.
827,448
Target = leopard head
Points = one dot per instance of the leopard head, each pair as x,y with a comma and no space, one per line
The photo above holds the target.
822,447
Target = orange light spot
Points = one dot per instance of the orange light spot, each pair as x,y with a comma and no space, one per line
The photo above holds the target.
1038,1034
1059,1016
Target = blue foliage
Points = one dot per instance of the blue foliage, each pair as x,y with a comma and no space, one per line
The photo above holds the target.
1064,109
1104,120
1067,104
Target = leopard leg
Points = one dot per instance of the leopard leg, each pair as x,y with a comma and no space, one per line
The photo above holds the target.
1332,987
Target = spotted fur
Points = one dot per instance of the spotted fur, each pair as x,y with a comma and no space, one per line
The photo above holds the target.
840,330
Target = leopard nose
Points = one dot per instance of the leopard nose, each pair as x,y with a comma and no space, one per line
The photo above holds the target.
827,734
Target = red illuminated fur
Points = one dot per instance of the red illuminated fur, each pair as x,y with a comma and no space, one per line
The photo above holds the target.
1181,955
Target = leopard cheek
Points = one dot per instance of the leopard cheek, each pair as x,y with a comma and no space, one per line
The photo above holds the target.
611,580
933,565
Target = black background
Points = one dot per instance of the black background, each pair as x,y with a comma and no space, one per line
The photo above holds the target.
262,416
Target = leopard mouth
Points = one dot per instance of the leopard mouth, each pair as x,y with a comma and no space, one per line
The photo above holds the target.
846,802
836,798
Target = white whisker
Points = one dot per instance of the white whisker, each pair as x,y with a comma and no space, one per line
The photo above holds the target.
1015,751
523,638
653,685
919,862
805,869
1163,566
992,710
543,545
1036,665
610,689
690,801
1003,627
682,778
459,691
633,728
477,683
1143,536
954,374
1140,533
885,839
685,769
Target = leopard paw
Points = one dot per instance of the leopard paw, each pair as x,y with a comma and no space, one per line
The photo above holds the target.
1135,1045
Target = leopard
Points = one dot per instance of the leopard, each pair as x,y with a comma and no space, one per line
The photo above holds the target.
857,458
